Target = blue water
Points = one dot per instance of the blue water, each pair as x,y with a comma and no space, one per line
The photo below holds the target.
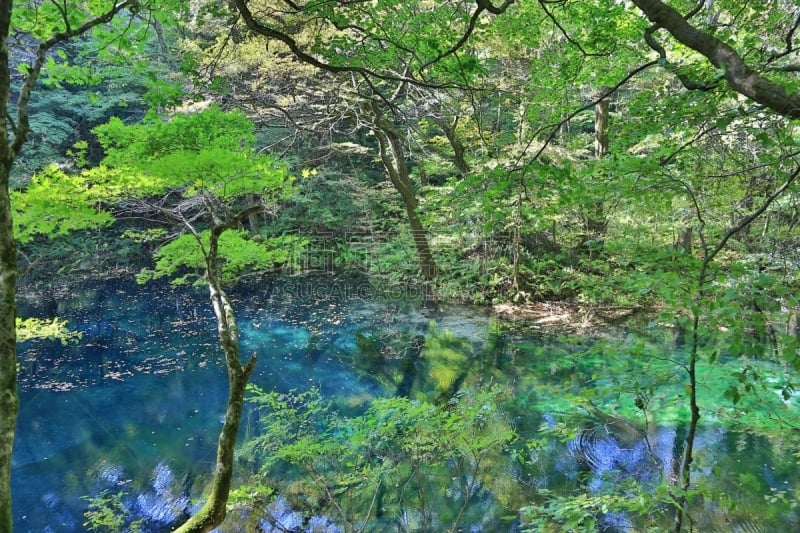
136,405
145,387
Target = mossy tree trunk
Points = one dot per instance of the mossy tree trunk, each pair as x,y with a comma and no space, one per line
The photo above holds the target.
14,130
448,127
393,159
9,400
213,511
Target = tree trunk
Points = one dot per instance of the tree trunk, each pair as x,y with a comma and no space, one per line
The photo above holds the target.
9,401
596,219
684,242
252,218
393,159
687,458
213,511
459,151
13,135
601,124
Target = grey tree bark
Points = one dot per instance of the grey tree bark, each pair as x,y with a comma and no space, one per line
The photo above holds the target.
214,510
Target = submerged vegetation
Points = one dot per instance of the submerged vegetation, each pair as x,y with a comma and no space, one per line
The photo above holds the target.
599,159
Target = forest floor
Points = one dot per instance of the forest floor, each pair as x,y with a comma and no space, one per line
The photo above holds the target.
571,316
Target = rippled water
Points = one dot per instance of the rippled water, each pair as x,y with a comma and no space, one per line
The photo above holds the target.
136,405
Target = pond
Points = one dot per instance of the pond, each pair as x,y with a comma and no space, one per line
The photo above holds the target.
134,408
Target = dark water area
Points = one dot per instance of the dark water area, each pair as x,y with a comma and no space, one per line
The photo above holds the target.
135,406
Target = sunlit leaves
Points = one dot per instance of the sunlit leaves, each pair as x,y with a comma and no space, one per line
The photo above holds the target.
40,328
209,151
56,203
138,144
208,156
184,259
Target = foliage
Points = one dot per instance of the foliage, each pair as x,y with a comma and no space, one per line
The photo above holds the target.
582,512
206,156
141,144
381,465
39,328
55,203
107,513
183,259
490,107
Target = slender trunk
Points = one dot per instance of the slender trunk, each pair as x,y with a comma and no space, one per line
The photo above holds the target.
213,511
393,159
253,218
516,253
601,125
694,419
596,220
684,242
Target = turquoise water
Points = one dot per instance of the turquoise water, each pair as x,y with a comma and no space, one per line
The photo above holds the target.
136,405
145,388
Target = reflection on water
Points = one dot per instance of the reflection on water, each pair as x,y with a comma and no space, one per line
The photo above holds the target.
136,405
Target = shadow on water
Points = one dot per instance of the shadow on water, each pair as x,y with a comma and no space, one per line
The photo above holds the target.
134,407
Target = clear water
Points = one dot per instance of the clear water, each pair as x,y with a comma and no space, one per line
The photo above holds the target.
136,405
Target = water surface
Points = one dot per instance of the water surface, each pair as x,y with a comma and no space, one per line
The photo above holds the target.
135,406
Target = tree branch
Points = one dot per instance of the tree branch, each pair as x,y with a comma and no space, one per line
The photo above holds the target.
745,221
741,78
483,5
789,40
687,82
555,128
23,119
567,36
269,32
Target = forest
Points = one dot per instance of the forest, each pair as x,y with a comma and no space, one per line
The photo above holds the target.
607,190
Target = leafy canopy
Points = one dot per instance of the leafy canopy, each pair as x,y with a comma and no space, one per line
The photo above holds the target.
184,259
209,151
207,157
55,203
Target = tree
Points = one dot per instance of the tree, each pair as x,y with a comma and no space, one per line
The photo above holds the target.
687,140
428,50
749,80
390,148
199,173
48,26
